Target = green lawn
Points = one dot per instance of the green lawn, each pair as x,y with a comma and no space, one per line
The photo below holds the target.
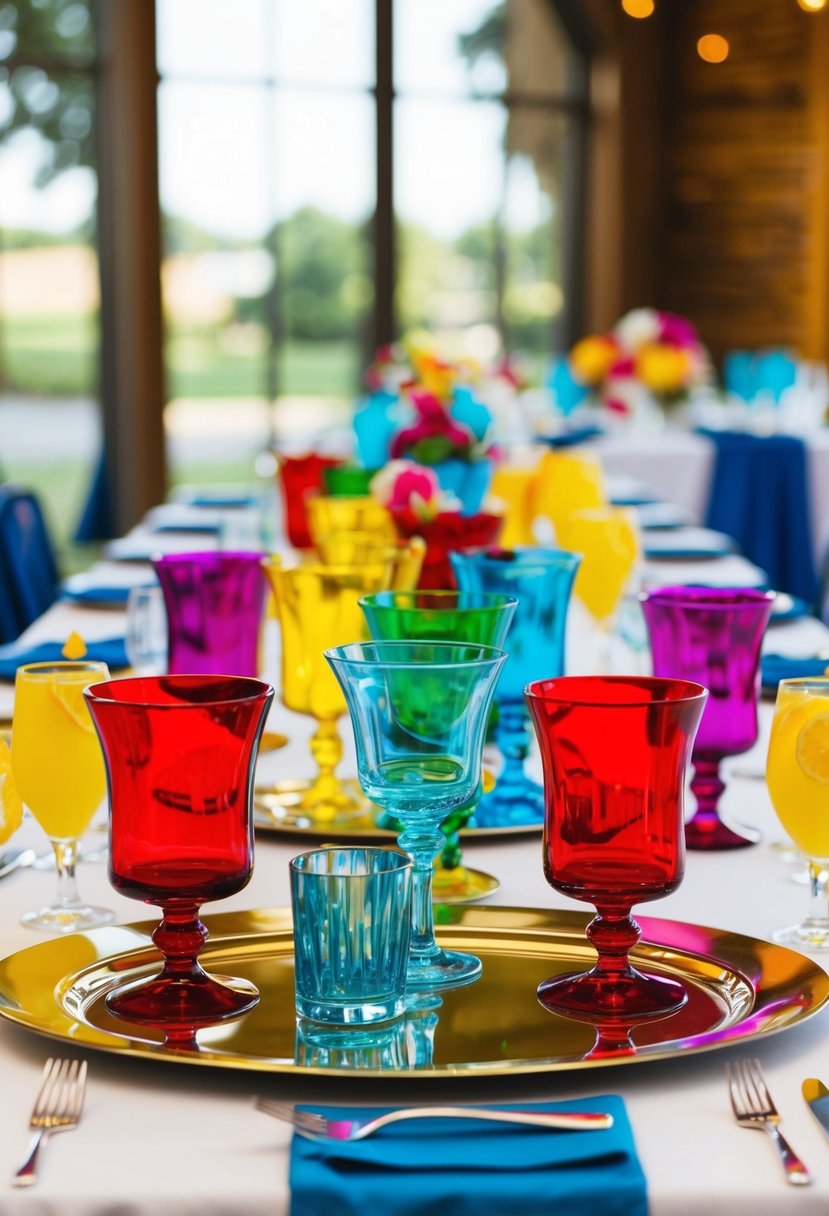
56,356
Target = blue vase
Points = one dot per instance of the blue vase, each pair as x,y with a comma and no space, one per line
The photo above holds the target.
468,480
542,581
375,423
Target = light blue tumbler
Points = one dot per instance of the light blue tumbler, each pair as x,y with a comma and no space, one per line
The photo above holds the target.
352,927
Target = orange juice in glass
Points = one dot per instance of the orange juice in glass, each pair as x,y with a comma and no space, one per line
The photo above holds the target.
59,772
797,776
608,540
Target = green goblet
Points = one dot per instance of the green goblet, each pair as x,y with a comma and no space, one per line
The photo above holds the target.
476,617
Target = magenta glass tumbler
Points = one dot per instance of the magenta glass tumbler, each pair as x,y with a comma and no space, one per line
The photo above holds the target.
215,602
179,753
712,635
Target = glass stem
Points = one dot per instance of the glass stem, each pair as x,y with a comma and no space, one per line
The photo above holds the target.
66,858
707,787
513,739
422,842
327,750
818,917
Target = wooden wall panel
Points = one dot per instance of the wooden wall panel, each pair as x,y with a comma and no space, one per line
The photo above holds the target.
742,172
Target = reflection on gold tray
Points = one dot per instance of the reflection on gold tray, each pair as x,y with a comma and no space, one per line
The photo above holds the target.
267,818
739,988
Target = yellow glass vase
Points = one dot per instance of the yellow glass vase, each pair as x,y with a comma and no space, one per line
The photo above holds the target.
317,606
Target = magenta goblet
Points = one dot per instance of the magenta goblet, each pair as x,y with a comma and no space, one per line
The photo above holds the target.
713,635
179,754
614,751
215,602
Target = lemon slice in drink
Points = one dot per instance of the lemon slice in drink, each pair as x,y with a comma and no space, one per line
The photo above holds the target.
11,805
812,748
69,695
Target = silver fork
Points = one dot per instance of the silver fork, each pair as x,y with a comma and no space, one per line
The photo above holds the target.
753,1107
57,1107
318,1127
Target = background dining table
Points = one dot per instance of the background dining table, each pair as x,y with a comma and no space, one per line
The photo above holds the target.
161,1138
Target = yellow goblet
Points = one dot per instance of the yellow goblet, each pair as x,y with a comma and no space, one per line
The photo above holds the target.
317,607
364,549
608,540
331,515
566,482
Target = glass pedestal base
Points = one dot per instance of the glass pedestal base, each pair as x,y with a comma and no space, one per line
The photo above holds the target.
57,919
446,969
632,995
288,802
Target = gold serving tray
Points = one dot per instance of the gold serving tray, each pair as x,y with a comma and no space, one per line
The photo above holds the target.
364,829
739,988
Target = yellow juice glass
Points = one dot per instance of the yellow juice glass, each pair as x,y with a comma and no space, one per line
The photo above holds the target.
515,486
330,514
566,482
797,776
608,540
58,769
364,548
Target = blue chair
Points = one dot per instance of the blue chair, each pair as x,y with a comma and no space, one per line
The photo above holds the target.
29,578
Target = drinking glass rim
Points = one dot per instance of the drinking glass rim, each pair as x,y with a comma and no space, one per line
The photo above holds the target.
490,655
262,690
710,595
696,691
805,682
56,666
544,555
398,861
203,556
497,599
274,563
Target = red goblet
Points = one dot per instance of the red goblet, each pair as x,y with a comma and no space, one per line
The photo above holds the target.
179,753
614,751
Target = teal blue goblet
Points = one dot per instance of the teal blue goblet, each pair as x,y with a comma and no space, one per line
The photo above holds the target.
419,712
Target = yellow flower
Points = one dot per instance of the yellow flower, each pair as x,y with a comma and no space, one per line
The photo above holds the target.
664,369
592,358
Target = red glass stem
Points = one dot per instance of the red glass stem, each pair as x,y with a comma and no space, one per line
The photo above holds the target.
613,935
180,936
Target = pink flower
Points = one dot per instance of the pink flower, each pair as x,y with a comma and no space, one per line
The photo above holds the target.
402,483
677,331
433,421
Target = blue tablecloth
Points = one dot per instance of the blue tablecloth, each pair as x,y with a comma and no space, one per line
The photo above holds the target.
760,495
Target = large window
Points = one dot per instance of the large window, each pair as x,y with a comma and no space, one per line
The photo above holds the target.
332,174
315,155
49,282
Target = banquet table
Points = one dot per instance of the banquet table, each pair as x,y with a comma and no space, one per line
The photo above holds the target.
164,1139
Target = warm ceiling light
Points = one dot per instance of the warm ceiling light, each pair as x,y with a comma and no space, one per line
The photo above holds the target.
638,8
812,6
713,48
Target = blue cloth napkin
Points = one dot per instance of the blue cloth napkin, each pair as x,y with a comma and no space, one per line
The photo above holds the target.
190,526
777,667
101,593
760,495
112,651
472,1169
572,438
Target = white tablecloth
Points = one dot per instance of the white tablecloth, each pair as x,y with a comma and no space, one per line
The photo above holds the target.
164,1140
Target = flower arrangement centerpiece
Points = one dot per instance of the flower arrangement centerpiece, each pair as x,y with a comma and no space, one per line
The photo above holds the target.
420,506
430,410
648,358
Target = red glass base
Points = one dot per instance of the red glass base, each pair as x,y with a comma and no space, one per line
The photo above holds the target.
706,831
169,1001
631,994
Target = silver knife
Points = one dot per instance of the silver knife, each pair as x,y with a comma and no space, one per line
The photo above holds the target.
816,1096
